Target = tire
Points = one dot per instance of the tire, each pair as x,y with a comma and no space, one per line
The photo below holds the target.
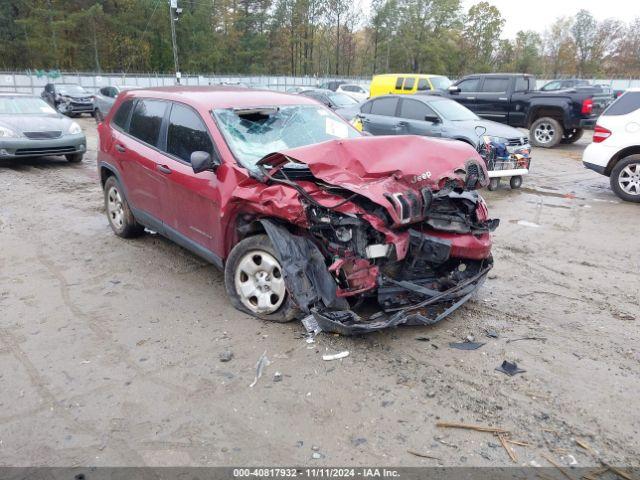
254,263
545,132
494,184
74,157
119,214
625,178
572,135
515,182
97,114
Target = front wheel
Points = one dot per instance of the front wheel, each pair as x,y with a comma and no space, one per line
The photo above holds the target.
254,280
625,178
546,132
494,184
515,182
74,157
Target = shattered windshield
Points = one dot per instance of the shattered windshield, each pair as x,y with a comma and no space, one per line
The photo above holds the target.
253,133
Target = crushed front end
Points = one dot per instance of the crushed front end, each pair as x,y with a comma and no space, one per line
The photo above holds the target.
404,247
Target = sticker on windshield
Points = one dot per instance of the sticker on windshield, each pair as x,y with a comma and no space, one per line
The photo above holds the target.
336,128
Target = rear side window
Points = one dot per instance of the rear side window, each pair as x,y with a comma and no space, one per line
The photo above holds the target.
187,133
366,108
122,115
415,110
627,103
399,81
495,85
469,85
384,106
408,83
423,84
146,120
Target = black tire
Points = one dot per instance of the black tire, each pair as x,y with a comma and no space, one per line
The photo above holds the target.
572,135
494,184
515,182
545,132
97,114
628,169
124,226
74,157
287,310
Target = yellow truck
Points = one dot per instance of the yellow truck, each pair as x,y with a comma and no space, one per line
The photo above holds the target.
407,83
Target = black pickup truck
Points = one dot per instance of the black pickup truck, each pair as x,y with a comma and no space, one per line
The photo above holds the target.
551,117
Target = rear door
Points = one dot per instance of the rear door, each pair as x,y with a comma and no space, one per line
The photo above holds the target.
194,198
492,101
381,119
469,89
413,119
139,159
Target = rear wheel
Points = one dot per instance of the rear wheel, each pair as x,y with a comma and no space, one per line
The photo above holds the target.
545,132
120,217
515,182
572,135
625,179
254,281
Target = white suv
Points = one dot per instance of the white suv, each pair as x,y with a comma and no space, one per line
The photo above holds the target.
615,151
357,92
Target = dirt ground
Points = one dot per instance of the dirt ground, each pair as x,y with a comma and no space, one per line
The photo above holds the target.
109,349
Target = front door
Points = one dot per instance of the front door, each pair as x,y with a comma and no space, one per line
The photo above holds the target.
417,118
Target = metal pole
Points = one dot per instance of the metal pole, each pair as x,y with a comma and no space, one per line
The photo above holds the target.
173,7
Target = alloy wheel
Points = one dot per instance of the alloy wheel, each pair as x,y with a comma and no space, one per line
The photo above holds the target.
629,179
544,132
115,208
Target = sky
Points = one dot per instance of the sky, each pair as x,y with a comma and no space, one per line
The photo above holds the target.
539,14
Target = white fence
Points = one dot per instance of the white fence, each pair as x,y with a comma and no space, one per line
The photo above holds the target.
28,82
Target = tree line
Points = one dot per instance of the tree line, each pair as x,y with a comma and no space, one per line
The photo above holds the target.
307,37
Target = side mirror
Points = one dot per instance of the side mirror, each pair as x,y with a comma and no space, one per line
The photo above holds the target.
454,89
432,119
201,161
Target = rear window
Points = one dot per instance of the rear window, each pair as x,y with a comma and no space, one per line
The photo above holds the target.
122,115
146,120
384,106
495,85
627,103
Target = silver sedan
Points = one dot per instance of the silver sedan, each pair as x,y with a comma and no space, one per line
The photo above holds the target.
29,127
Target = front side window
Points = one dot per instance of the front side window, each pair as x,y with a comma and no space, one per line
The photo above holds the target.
385,106
415,110
146,120
187,133
423,84
469,85
522,84
254,133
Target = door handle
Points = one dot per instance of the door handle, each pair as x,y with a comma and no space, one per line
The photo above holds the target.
120,148
471,98
163,169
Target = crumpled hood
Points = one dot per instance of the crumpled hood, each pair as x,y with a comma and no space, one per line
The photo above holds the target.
379,167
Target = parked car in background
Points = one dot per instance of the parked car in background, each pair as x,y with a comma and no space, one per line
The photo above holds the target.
300,209
105,98
68,98
407,83
332,85
29,127
344,105
551,117
564,84
357,92
615,151
436,116
299,88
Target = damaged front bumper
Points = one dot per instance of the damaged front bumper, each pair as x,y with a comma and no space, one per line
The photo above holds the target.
422,289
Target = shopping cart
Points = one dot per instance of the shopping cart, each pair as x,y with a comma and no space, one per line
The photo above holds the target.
504,161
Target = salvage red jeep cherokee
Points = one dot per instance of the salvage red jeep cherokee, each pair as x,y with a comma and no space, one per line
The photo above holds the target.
307,217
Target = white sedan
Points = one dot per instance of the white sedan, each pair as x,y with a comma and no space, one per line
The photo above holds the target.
615,151
355,91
